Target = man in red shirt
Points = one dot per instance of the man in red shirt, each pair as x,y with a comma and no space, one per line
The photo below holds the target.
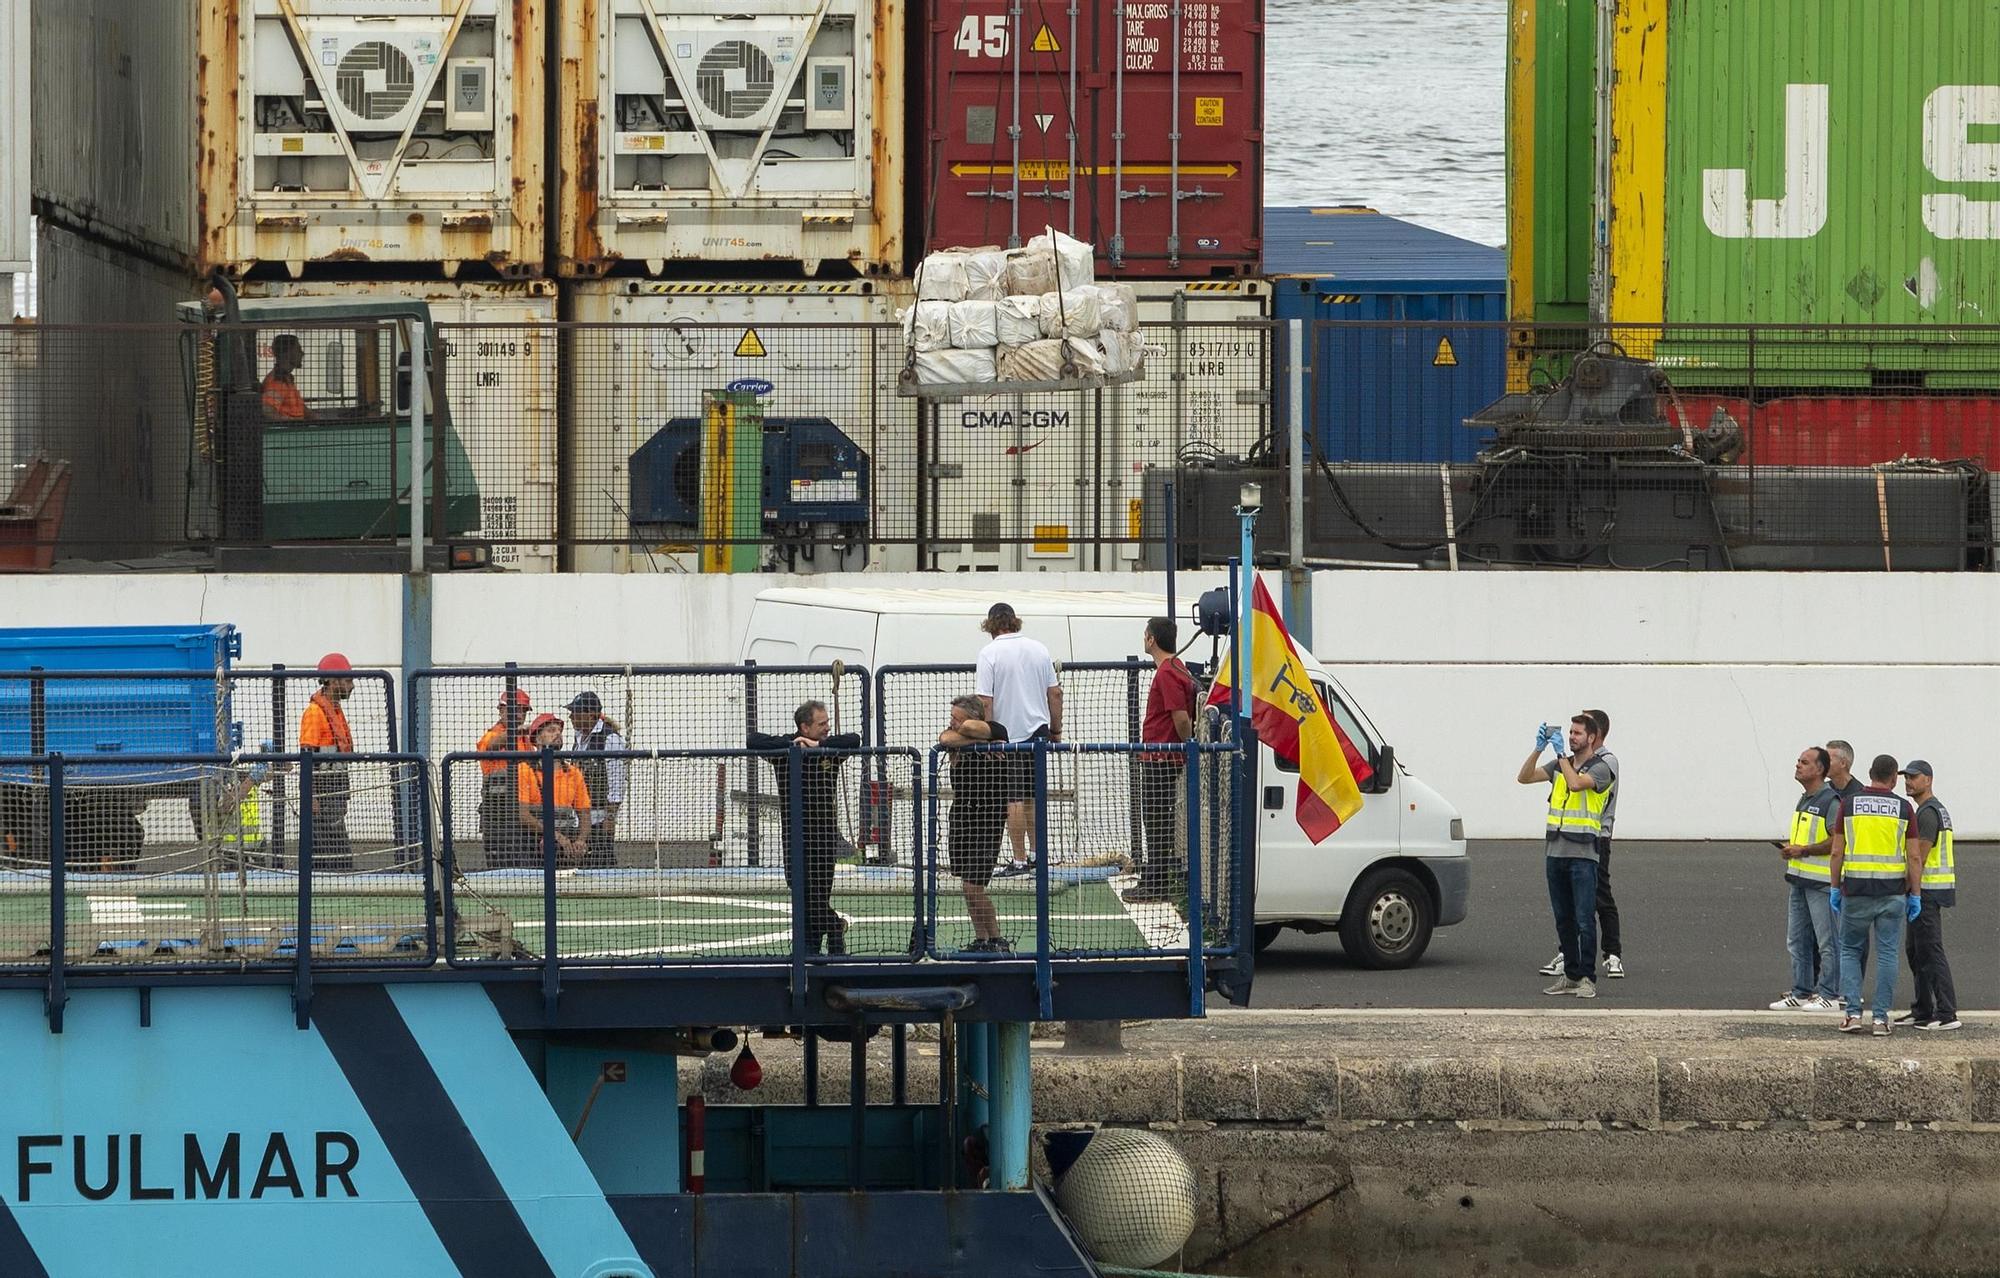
1169,721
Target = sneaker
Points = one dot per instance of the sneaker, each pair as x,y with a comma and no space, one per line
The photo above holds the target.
1013,868
1850,1025
1881,1029
1950,1024
1911,1018
1614,967
1554,967
1586,988
1820,1003
1792,1003
1563,985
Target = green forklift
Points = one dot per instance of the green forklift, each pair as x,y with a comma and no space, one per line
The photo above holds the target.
301,415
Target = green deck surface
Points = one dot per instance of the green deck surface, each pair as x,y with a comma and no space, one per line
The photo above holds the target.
133,925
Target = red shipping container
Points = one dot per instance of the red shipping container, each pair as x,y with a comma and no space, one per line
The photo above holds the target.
1859,430
1135,124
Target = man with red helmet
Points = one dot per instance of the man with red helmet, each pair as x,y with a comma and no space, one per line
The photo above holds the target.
323,730
500,826
572,796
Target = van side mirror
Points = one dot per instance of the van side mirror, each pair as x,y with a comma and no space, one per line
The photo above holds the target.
1384,764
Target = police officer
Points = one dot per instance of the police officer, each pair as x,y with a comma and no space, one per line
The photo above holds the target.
596,734
1936,1006
1580,785
1840,769
1877,876
1810,937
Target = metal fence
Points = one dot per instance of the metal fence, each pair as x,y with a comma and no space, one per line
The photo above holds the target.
691,445
583,445
1664,446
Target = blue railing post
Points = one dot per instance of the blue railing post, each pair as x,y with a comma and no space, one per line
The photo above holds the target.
1044,978
58,996
927,854
797,867
551,958
448,862
1197,930
433,905
302,986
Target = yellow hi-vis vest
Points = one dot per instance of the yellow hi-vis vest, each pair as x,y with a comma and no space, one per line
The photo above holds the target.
1877,834
1808,828
248,828
1577,811
1941,866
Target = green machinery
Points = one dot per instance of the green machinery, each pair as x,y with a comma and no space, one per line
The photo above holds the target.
301,412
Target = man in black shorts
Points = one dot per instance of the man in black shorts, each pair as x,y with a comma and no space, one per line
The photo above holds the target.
978,819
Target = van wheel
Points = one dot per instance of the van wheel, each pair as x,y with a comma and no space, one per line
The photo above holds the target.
1266,934
1387,922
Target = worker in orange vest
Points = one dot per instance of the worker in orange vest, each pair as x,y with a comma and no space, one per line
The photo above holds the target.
280,390
572,796
323,730
499,825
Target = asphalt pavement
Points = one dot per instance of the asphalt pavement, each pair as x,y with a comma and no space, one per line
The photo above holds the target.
1704,928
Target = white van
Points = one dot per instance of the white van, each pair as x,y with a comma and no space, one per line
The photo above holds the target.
1385,880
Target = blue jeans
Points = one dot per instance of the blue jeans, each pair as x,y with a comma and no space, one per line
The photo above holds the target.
1573,898
1810,934
1860,915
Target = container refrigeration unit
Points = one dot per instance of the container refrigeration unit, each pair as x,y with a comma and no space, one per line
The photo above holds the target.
397,135
804,371
1136,125
728,134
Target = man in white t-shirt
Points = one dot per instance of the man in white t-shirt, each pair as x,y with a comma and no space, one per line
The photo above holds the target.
1017,684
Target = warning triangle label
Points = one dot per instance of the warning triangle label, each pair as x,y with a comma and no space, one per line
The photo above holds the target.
1446,357
752,346
1045,41
1043,122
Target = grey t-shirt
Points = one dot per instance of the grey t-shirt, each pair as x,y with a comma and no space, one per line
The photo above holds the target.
1611,804
1853,787
1563,843
1932,820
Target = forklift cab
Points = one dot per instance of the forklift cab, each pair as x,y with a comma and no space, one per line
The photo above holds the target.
301,410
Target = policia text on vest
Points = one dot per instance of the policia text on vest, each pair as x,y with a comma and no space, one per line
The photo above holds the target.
1877,871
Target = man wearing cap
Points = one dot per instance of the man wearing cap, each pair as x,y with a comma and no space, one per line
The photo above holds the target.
499,824
1877,875
605,778
1936,1005
323,730
1016,681
572,796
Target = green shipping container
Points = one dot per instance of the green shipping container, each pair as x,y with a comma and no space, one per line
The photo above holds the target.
1826,163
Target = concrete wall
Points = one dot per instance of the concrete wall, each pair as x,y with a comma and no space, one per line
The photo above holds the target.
1713,681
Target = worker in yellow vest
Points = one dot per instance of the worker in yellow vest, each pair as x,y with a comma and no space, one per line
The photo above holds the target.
1580,787
241,819
1936,1006
1877,877
1810,935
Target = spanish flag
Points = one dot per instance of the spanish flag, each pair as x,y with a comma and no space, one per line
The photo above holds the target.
1290,718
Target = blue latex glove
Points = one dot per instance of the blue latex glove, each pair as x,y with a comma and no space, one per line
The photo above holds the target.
1542,738
1835,902
1558,742
1916,905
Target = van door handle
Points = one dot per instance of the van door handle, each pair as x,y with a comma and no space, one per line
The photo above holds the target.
1274,797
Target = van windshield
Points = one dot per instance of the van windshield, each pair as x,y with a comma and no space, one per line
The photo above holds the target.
1345,717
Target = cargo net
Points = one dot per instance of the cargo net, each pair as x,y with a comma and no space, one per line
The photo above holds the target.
696,863
198,864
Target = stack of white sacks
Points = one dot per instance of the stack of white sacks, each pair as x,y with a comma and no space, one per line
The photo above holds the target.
1018,315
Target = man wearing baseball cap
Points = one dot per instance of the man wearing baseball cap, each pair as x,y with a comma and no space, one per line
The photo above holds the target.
595,734
1936,1006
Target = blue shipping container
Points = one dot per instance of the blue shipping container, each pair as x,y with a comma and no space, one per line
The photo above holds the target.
88,718
1405,332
